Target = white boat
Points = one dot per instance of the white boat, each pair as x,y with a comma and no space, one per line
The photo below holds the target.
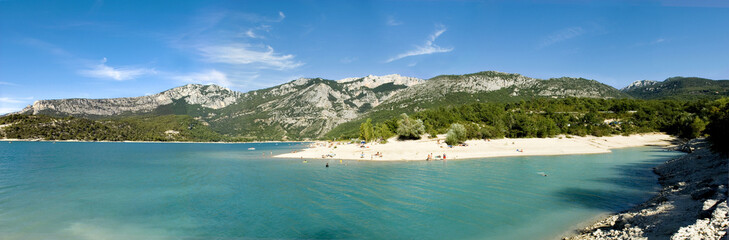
251,149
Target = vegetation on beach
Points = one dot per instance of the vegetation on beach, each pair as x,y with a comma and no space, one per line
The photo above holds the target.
572,116
409,128
456,134
718,127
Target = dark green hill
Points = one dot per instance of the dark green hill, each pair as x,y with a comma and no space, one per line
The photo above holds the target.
679,88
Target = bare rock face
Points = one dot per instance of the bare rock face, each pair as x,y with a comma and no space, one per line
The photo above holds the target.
313,106
209,96
372,81
310,107
639,84
439,87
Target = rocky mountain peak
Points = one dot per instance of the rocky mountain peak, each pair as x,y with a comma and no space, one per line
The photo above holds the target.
209,96
372,81
640,83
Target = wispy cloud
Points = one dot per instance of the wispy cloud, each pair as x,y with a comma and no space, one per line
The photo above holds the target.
245,54
51,48
251,34
561,35
8,84
657,41
428,48
9,100
348,59
119,74
251,17
206,77
5,110
9,105
391,21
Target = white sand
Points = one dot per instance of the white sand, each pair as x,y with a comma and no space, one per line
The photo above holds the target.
396,150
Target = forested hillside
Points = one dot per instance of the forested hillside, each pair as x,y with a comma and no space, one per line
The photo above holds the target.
570,116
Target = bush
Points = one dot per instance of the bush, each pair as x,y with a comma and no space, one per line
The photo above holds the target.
456,134
382,131
366,131
490,132
718,130
408,128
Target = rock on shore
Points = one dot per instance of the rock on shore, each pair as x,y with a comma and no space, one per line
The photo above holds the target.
691,205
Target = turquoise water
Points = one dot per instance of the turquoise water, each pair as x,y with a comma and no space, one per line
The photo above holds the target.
224,191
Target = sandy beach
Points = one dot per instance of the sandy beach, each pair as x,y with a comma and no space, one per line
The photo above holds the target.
395,150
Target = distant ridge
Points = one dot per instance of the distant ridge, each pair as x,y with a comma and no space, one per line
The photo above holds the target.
691,88
311,107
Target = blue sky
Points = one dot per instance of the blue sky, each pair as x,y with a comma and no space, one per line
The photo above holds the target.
104,49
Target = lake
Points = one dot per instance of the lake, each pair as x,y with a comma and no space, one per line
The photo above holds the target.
71,190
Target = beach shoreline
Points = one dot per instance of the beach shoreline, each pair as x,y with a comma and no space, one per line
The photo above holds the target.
419,150
72,141
692,203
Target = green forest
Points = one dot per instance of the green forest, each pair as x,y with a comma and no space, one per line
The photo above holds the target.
157,128
550,117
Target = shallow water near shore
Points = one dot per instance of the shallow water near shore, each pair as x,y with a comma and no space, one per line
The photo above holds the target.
224,191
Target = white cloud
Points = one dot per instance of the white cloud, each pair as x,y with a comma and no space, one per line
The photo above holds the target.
8,84
120,74
428,48
281,14
9,100
10,105
245,54
657,41
348,59
391,21
251,34
562,35
5,110
206,77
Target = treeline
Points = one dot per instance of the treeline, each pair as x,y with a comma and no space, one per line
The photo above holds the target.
157,128
550,117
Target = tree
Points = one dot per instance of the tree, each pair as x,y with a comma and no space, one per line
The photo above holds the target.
366,131
456,134
697,126
718,130
382,131
408,128
490,132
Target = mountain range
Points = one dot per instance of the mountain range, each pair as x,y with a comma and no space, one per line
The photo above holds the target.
311,107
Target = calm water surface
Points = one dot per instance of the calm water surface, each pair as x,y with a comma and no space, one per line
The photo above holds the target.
224,191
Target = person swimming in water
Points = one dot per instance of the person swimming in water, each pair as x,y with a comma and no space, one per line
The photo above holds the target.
327,164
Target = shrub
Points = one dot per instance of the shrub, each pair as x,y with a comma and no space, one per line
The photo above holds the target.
490,132
408,128
718,130
456,134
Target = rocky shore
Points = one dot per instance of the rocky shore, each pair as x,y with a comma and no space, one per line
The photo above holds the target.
691,205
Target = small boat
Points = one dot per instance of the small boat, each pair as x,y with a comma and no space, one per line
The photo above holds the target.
251,149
